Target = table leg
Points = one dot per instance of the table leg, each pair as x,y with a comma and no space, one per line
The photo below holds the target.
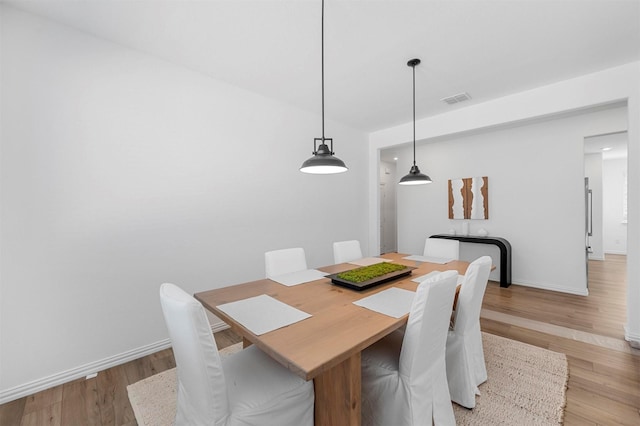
337,392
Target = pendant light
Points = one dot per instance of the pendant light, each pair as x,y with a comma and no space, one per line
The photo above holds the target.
323,161
414,177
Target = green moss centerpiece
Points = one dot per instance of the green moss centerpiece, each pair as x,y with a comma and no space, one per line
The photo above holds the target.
369,276
370,272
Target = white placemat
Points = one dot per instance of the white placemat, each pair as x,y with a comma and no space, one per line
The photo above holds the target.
394,302
299,277
262,314
430,259
366,261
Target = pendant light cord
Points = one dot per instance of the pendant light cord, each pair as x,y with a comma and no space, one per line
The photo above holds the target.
414,177
414,115
323,161
322,49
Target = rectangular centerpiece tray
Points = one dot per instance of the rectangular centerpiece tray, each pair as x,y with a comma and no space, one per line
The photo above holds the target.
372,282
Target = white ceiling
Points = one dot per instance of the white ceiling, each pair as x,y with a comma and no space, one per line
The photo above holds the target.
486,48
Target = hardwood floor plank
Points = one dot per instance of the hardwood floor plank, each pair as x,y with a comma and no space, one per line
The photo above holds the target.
43,400
148,366
616,390
80,403
49,415
579,363
115,408
573,419
226,338
600,409
629,372
11,413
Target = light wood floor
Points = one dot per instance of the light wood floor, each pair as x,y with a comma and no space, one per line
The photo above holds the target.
604,384
603,389
603,312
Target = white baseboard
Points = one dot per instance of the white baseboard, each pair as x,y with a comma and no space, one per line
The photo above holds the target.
81,371
580,292
622,252
219,326
632,338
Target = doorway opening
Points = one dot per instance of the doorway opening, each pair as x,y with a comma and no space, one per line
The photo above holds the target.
388,218
605,196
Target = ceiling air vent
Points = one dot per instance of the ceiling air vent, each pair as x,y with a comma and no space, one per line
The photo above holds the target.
460,97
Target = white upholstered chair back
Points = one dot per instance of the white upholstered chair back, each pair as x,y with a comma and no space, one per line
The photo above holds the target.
466,368
438,247
469,304
346,251
279,262
404,379
246,388
426,332
201,389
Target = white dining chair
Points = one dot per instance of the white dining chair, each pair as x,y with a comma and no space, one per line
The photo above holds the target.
246,388
466,368
404,378
346,251
442,248
279,262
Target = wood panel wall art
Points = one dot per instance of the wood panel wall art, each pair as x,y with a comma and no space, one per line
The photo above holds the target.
469,198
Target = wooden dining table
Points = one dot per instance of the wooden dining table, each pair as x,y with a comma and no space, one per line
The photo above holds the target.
325,347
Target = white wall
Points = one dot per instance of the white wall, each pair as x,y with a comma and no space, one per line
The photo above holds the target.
615,231
593,170
536,203
612,85
119,172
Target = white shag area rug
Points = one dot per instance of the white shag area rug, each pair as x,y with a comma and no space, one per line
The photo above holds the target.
526,386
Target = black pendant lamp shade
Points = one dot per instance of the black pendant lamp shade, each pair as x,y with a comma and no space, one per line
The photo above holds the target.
414,177
323,161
